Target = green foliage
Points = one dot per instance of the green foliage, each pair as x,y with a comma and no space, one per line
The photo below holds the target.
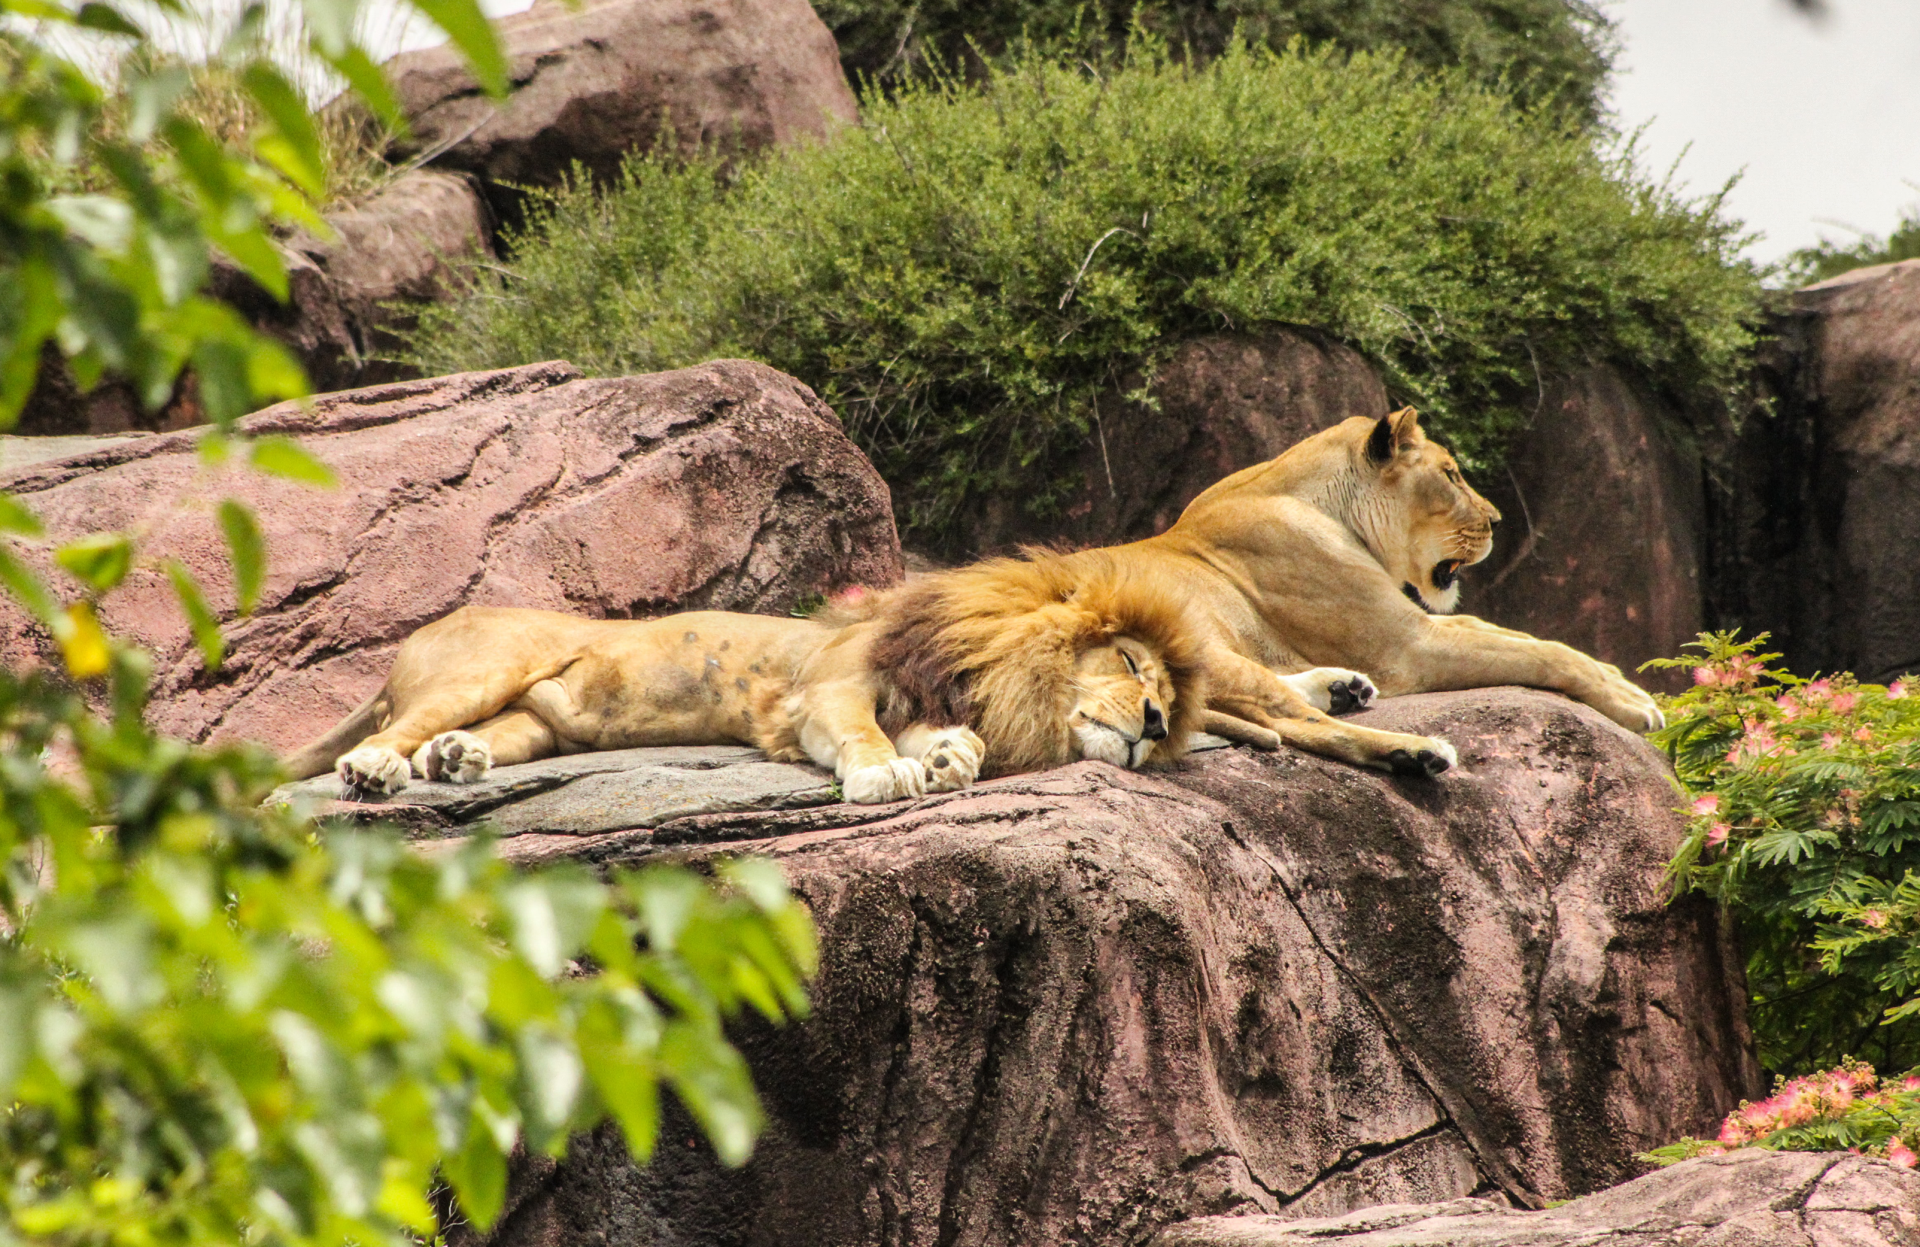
217,1022
1830,259
1806,826
1548,51
1841,1109
963,274
214,1021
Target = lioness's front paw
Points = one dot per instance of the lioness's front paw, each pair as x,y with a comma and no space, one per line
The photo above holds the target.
1629,705
1333,690
953,761
372,768
454,757
1426,760
896,780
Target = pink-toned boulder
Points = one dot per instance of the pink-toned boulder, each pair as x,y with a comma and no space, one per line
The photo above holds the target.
728,486
594,81
1223,402
1603,531
351,292
1078,1006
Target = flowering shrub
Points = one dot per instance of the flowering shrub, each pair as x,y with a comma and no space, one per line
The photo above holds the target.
1804,797
1847,1107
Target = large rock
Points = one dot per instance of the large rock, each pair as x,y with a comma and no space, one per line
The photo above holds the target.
1820,517
1220,404
727,486
594,81
347,297
1748,1198
1603,530
352,293
1079,1006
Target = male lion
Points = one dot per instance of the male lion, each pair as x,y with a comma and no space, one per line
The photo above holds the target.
1006,666
1344,550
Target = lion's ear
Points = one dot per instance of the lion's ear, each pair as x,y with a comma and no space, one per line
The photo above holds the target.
1393,432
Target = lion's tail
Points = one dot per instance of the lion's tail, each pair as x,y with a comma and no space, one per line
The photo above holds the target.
319,756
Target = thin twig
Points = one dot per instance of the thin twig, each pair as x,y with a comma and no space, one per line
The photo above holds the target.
1075,283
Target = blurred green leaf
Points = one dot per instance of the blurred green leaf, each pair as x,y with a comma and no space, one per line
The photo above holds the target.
466,24
100,560
204,625
281,456
249,552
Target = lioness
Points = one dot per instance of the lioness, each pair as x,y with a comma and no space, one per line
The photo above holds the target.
1345,550
1010,665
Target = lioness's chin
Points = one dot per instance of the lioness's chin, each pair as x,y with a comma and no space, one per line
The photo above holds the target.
1101,743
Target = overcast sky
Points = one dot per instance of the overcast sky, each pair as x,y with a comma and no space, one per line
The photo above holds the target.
1823,116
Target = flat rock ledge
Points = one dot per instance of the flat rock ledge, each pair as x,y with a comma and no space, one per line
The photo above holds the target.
1748,1198
1087,1005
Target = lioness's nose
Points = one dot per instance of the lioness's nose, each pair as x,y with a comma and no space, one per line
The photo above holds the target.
1156,724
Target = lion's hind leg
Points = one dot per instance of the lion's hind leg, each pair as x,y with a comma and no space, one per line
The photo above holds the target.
465,756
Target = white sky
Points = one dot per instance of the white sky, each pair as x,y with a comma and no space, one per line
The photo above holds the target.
1823,116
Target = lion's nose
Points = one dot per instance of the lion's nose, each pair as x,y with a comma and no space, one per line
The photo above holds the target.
1156,724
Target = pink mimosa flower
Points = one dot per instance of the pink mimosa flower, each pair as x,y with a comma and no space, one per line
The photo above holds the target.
1717,835
1829,740
1873,918
1708,804
1900,1154
1706,677
1843,703
1896,690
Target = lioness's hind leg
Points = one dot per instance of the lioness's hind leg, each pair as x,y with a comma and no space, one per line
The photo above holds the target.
456,757
1334,690
952,755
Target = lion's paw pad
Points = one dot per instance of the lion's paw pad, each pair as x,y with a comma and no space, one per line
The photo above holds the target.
1426,761
1334,690
954,759
897,780
454,758
1354,693
373,768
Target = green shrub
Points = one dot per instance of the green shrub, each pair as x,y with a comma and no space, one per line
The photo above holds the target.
963,274
1829,259
1547,51
1806,827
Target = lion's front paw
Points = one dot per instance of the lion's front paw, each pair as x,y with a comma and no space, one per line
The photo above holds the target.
373,768
1427,760
1334,690
899,779
954,759
454,757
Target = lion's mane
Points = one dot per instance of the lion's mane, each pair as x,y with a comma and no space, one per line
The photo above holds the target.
992,646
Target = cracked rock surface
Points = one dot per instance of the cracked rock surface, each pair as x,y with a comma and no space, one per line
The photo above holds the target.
1084,1005
1748,1198
727,486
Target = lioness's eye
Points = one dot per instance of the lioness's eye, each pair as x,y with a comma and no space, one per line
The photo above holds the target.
1127,658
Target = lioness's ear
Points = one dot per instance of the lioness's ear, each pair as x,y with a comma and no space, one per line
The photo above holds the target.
1392,432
